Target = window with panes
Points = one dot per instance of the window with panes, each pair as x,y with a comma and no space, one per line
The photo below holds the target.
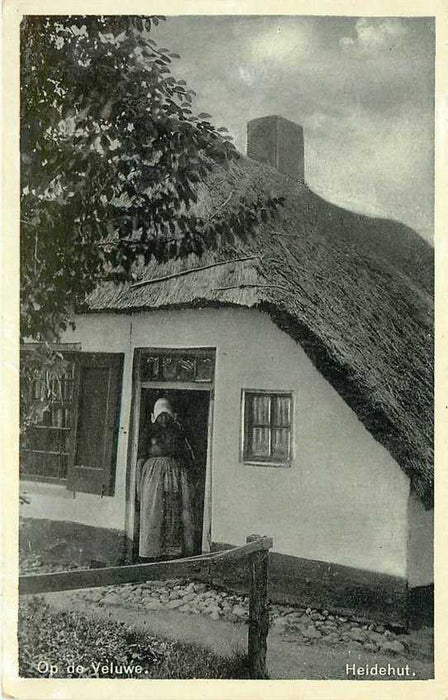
72,438
45,444
267,427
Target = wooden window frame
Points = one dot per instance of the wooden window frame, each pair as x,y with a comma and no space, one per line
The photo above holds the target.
84,478
245,456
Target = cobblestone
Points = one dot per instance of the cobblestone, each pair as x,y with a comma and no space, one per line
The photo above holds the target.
309,625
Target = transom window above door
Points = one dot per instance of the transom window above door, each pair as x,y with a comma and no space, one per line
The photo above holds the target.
267,427
175,366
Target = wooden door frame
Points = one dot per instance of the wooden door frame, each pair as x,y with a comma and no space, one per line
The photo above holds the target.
137,386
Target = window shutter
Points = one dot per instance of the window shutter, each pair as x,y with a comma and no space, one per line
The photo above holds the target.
96,412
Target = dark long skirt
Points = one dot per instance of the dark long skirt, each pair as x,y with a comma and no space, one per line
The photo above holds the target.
166,516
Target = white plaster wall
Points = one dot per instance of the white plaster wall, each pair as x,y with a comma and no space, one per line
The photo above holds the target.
420,544
343,500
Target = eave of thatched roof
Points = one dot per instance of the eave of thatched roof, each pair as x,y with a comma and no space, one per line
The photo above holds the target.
354,291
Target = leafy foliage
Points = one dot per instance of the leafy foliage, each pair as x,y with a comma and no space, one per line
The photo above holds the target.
64,638
111,156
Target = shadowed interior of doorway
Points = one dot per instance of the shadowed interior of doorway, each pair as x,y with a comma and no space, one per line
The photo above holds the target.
192,412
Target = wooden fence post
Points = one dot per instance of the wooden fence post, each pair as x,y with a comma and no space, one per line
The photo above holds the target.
256,549
258,611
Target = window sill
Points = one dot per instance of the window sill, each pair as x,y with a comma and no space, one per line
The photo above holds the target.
275,465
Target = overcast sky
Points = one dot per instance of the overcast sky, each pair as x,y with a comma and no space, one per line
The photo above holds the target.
363,89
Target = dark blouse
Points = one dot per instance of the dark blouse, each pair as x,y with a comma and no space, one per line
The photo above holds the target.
167,441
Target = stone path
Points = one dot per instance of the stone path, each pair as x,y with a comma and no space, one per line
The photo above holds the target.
307,626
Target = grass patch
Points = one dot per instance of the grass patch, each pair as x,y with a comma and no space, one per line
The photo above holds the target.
82,646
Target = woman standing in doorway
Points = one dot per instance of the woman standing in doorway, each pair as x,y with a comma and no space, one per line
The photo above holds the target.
164,489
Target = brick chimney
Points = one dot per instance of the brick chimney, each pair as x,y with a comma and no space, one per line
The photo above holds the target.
279,142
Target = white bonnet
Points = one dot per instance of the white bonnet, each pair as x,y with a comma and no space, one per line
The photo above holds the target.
162,406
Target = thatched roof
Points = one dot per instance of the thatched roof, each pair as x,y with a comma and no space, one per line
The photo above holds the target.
354,291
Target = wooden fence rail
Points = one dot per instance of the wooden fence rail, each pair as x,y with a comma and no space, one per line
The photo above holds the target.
256,550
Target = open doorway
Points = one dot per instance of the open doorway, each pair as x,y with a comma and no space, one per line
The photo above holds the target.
192,408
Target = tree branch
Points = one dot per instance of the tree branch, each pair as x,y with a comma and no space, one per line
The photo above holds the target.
221,206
